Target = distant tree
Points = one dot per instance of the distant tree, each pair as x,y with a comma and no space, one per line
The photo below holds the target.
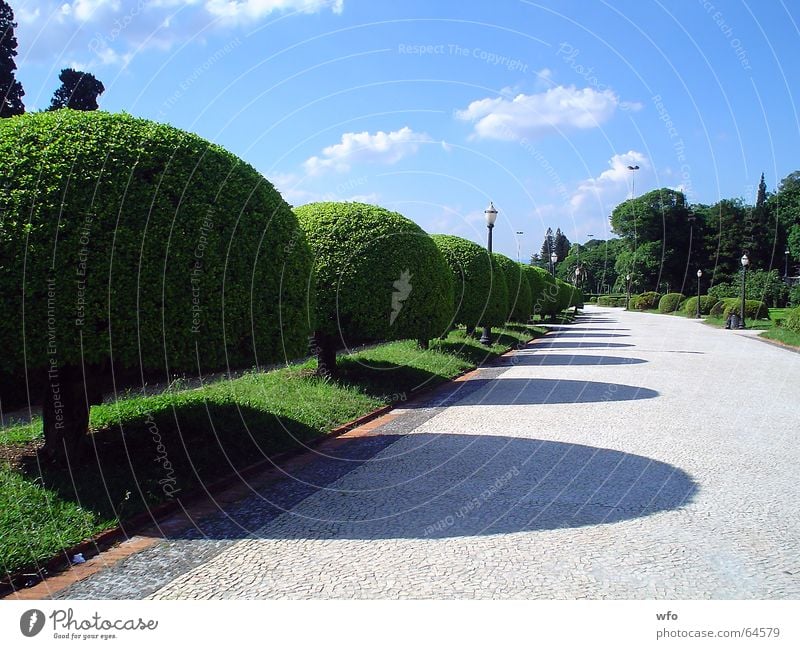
11,91
547,246
561,245
656,229
761,197
79,91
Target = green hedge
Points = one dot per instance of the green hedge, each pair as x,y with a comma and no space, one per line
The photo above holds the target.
611,300
706,303
379,276
671,302
519,291
646,301
129,241
792,321
754,309
544,293
480,295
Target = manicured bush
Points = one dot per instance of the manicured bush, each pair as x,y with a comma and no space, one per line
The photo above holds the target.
379,276
706,303
544,293
671,302
565,290
792,321
646,301
611,300
754,309
519,291
129,241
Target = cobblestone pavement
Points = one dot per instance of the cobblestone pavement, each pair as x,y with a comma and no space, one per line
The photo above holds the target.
624,456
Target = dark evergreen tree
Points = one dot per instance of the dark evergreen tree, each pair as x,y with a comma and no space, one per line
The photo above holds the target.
761,197
79,91
11,91
548,245
561,245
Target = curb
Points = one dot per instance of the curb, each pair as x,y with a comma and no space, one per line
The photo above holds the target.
96,545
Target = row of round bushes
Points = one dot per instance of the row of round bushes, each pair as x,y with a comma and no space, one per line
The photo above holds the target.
132,251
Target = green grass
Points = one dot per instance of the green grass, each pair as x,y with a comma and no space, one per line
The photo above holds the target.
144,448
785,336
749,323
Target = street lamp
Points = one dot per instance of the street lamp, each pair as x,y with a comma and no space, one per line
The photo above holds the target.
745,262
633,169
786,263
519,234
491,216
553,260
627,292
699,275
578,273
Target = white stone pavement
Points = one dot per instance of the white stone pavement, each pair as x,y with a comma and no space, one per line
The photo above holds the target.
626,456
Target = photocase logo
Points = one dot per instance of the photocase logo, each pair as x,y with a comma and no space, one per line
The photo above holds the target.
402,289
31,622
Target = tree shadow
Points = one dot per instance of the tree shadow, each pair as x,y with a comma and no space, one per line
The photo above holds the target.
556,344
504,391
587,333
453,485
534,358
164,453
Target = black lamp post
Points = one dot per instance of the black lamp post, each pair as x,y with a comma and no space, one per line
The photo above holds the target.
627,292
786,263
745,261
578,273
553,260
491,217
699,275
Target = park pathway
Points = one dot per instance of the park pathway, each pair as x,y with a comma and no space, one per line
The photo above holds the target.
624,456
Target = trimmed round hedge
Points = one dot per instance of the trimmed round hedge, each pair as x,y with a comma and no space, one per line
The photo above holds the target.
646,301
753,309
544,293
671,302
480,295
134,245
706,303
519,291
379,276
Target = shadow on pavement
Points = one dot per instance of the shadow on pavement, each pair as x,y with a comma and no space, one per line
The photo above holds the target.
586,333
512,391
523,358
455,485
556,344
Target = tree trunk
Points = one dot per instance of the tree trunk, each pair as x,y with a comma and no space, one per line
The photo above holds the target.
423,344
326,355
65,410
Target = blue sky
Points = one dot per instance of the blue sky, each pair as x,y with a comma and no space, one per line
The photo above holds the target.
435,108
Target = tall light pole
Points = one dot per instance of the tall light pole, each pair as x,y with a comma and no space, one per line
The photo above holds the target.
786,263
699,275
553,260
578,274
491,216
745,262
519,234
633,169
627,292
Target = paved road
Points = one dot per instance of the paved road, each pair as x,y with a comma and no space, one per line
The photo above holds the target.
624,456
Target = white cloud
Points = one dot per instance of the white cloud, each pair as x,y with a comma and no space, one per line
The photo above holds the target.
611,184
252,10
364,147
561,107
77,28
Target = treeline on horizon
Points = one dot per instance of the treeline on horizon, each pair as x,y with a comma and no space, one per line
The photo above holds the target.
663,240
